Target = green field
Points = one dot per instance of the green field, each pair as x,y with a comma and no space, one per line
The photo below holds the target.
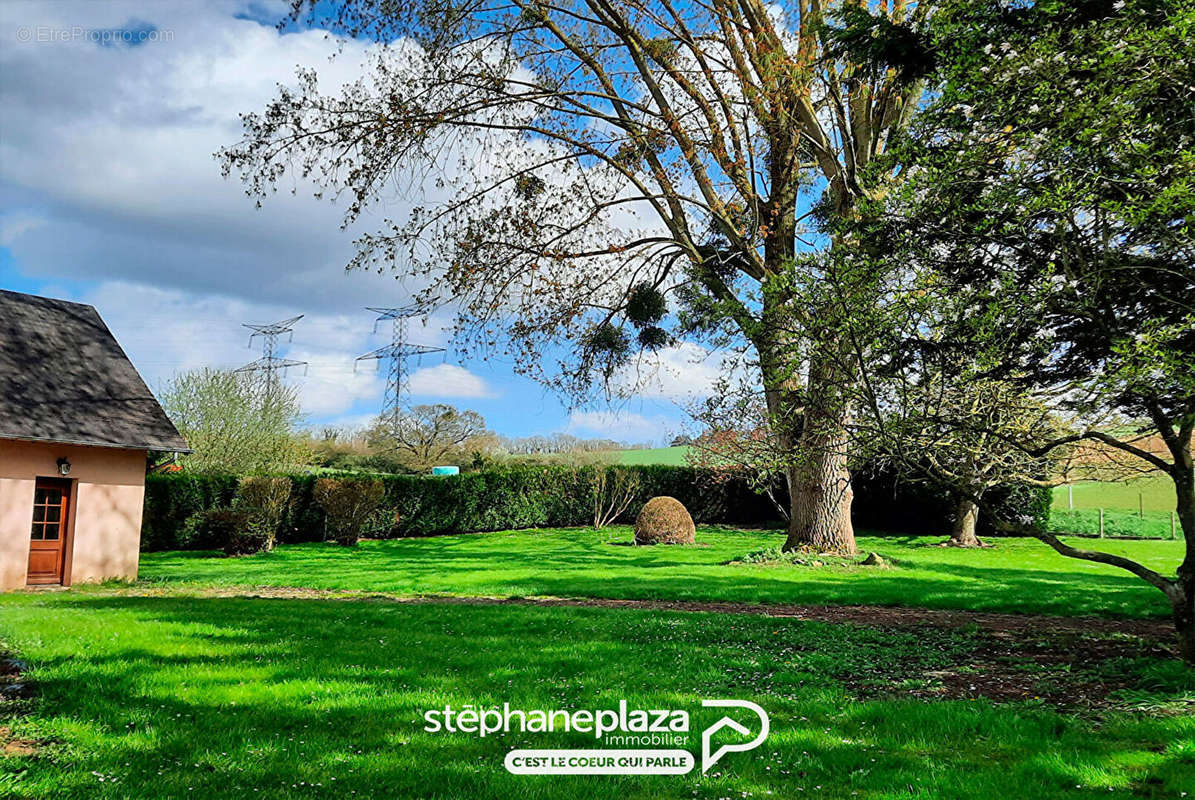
1140,509
198,682
1020,575
1150,525
185,697
1155,493
671,456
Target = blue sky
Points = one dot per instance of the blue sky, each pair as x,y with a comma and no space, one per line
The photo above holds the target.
109,194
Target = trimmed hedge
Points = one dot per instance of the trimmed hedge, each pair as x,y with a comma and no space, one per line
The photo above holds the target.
538,497
172,499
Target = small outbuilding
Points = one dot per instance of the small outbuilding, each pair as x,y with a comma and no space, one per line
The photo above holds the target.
76,425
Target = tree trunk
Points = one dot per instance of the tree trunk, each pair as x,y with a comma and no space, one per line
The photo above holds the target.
781,391
821,506
965,516
1184,603
814,431
821,481
779,350
1184,622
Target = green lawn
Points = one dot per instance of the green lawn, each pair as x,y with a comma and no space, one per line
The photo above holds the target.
185,697
172,688
1019,575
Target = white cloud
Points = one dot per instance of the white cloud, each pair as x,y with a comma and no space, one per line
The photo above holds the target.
681,372
329,387
449,380
623,426
167,331
107,181
112,146
107,177
15,223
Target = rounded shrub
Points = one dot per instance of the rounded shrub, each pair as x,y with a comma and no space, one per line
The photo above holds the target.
349,504
226,528
264,500
664,520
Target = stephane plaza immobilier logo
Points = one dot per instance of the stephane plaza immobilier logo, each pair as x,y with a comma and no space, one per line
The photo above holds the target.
633,741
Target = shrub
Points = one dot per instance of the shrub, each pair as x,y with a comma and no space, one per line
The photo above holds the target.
522,496
664,520
775,556
173,502
246,538
1028,505
222,527
349,504
613,491
264,501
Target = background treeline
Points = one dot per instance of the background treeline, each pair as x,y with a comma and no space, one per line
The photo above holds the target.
545,496
440,434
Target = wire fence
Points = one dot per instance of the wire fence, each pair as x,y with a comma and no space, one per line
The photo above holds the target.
1110,523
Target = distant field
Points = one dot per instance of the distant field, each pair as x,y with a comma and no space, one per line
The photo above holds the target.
674,456
1086,521
1156,494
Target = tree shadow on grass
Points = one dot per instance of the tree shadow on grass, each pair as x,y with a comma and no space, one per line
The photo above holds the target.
219,697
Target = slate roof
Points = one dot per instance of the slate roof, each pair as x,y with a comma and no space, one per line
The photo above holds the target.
64,378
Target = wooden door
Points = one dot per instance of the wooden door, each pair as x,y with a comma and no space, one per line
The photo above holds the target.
47,543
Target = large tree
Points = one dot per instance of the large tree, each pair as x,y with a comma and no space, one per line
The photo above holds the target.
593,157
426,436
1053,210
235,422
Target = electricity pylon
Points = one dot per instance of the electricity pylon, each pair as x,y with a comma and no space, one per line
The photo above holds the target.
395,355
271,364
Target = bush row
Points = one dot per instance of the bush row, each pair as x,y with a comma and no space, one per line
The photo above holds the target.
536,497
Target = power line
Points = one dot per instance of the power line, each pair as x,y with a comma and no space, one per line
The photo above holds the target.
395,354
271,364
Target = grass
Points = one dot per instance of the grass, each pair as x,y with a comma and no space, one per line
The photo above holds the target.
671,456
1138,509
172,689
1155,493
203,697
1017,575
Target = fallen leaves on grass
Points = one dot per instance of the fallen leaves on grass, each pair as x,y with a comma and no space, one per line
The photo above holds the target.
1072,671
13,689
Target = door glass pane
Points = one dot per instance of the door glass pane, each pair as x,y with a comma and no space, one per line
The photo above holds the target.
47,514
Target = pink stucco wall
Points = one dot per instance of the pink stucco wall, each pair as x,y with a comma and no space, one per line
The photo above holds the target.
109,491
